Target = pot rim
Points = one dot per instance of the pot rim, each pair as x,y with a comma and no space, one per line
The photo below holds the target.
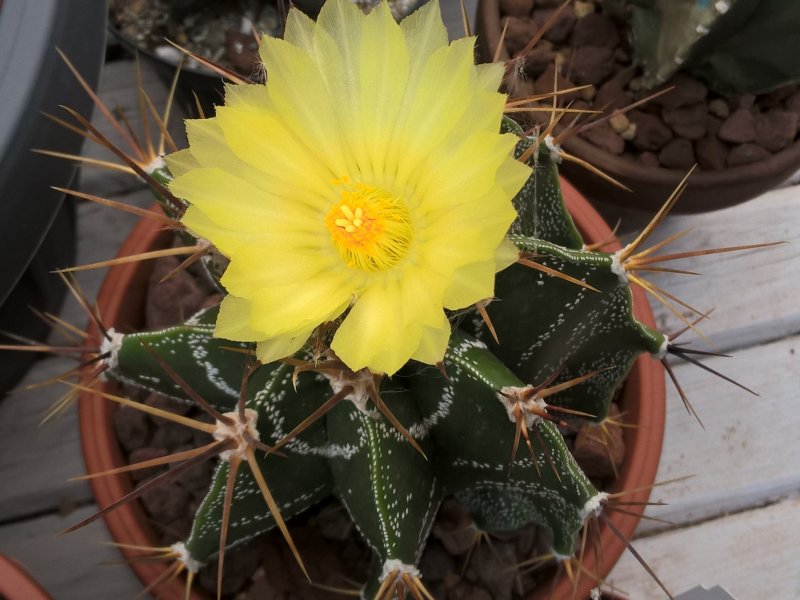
124,284
17,584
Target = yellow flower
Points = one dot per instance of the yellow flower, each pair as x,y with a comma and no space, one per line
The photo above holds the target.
366,178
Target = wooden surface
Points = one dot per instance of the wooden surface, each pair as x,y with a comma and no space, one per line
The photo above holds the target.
735,523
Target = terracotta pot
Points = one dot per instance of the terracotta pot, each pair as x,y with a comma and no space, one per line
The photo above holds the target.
121,302
708,190
16,584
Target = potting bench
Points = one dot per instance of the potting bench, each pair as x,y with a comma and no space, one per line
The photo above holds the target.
735,522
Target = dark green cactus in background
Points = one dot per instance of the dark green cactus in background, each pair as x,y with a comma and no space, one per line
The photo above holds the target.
747,46
564,346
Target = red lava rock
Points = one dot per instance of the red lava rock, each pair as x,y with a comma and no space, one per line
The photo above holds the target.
605,138
591,64
777,96
160,401
240,564
595,29
687,90
177,531
713,125
677,154
436,563
544,85
746,101
143,454
690,122
581,105
174,300
711,154
649,159
746,153
793,103
466,591
334,523
171,436
451,580
166,501
491,572
612,95
527,541
241,49
561,29
132,427
212,300
539,58
651,132
453,528
519,32
516,8
775,129
740,127
197,478
595,449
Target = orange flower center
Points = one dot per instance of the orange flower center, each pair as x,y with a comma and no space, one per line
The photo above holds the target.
370,228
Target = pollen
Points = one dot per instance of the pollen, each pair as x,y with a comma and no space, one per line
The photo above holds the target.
370,228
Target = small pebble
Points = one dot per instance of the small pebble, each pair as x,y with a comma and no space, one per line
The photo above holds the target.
583,9
719,108
629,133
744,154
619,122
738,128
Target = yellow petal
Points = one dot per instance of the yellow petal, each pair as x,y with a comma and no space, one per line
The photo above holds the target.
372,335
433,343
181,162
299,30
471,283
505,255
355,108
280,347
233,321
301,304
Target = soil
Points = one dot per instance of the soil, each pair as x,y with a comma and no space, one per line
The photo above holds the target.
221,31
452,567
687,125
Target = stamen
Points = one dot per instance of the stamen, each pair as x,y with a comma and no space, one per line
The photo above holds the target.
369,227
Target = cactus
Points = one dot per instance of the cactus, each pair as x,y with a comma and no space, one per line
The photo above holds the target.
390,487
734,45
483,422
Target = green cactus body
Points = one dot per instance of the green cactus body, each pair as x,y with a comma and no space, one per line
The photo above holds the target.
462,421
297,479
391,491
547,325
211,366
735,45
474,438
540,205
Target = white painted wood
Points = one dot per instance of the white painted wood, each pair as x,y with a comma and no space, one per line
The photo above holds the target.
748,453
36,461
752,554
755,292
39,460
78,566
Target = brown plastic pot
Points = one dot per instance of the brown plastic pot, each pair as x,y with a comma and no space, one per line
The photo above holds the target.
651,186
16,584
121,303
